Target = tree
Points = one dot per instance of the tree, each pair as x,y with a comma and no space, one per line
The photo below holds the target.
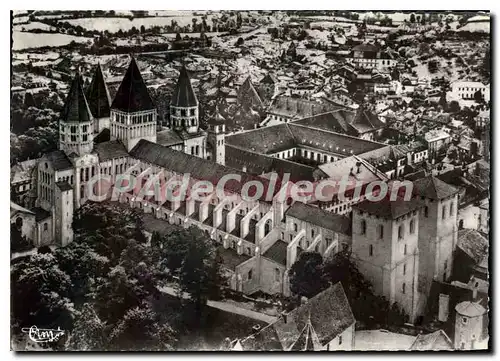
143,29
117,293
84,266
18,242
239,42
487,63
478,97
89,332
193,257
201,271
453,107
141,329
39,291
306,275
412,18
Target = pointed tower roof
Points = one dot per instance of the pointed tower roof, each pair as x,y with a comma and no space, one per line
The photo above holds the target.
307,339
433,188
98,95
132,95
269,79
76,108
183,95
248,94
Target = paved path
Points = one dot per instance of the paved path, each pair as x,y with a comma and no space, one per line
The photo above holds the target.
225,306
28,252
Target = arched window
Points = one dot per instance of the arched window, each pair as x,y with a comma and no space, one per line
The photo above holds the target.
277,274
363,226
451,209
381,231
267,227
401,231
233,244
461,224
426,211
250,275
412,226
404,287
370,250
443,212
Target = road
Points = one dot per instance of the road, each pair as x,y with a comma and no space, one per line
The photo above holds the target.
225,306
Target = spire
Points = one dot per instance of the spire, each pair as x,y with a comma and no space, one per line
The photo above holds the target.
76,108
98,95
183,95
132,95
305,341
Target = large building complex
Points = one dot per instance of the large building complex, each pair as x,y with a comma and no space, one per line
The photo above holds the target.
400,246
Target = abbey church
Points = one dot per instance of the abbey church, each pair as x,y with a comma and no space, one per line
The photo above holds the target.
259,239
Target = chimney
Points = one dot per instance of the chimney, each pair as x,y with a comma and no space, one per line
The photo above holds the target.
284,315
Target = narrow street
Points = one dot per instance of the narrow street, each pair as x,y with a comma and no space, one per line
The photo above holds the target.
225,306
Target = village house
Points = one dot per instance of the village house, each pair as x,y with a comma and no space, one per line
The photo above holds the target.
322,323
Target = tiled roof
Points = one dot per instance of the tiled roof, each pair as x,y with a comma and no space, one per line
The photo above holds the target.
330,141
64,186
264,140
40,214
335,121
269,79
183,95
365,47
277,252
433,188
198,168
388,209
59,160
16,208
98,95
473,244
103,136
307,341
110,150
259,164
168,137
319,217
248,94
436,341
296,108
76,108
132,95
231,259
22,171
328,314
471,309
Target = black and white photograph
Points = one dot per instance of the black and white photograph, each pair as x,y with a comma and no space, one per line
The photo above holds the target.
250,180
